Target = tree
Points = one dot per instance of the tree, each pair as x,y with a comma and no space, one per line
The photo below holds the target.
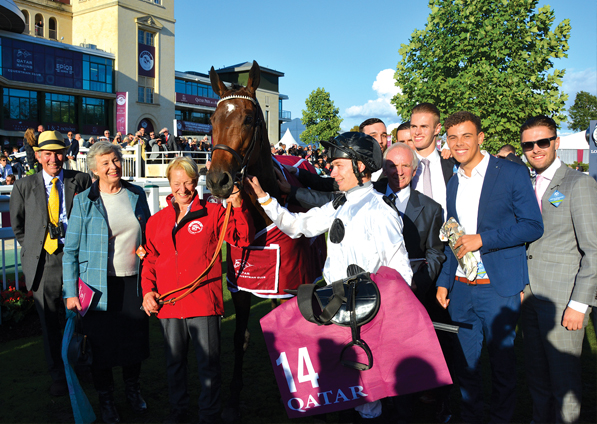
490,57
321,118
355,129
582,111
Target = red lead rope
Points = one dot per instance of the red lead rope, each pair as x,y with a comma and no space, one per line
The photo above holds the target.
199,281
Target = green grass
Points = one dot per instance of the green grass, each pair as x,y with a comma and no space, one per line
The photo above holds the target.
24,381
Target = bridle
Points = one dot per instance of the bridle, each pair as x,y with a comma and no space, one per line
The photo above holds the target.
242,161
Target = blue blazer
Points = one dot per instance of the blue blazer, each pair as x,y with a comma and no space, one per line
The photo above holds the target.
508,218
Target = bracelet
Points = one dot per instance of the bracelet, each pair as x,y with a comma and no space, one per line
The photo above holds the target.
264,201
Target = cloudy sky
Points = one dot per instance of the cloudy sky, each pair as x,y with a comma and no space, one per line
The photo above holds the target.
349,48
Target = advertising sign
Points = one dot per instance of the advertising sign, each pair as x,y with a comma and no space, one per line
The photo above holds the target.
39,64
146,60
196,100
122,112
192,127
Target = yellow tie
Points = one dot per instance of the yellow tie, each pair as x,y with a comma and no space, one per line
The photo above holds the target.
54,214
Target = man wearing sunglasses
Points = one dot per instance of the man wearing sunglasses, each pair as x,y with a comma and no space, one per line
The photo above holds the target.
563,276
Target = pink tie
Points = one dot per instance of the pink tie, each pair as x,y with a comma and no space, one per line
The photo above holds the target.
538,182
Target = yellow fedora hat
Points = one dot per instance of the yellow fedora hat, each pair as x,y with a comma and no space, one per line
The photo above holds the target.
50,140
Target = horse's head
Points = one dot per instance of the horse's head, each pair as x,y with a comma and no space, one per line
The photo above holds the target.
237,124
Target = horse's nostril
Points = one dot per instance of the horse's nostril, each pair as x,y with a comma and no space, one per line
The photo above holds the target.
225,180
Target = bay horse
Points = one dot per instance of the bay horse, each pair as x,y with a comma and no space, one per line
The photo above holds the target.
241,147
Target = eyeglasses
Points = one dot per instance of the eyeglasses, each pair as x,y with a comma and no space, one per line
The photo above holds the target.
544,143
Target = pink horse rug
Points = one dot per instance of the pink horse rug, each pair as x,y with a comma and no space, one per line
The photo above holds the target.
407,357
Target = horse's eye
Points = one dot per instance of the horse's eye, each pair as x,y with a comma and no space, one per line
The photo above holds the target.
248,119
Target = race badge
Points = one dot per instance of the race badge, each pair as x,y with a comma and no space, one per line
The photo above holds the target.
195,227
556,198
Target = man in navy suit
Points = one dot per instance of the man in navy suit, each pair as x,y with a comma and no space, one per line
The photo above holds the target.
493,200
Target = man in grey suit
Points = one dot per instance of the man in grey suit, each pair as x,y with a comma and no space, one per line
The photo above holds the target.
42,242
563,277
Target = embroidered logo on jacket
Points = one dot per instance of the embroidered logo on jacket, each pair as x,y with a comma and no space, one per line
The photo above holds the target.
195,227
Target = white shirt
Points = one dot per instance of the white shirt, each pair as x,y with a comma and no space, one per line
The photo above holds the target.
438,184
375,175
60,186
467,201
548,175
401,198
372,238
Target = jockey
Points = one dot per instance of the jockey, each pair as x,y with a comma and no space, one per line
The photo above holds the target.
363,231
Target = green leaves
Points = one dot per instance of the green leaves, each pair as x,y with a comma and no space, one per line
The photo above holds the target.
491,57
321,118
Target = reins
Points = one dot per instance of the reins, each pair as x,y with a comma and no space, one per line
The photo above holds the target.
243,162
200,281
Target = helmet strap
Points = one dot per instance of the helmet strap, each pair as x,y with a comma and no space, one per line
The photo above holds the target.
357,173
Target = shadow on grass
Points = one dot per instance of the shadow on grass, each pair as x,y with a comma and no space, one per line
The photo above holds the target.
24,381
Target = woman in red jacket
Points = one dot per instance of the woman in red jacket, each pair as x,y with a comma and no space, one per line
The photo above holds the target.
180,242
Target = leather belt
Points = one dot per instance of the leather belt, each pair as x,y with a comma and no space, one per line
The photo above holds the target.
473,283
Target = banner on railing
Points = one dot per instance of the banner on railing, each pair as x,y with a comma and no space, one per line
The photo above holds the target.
122,109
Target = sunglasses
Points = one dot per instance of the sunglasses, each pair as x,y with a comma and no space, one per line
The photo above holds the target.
544,143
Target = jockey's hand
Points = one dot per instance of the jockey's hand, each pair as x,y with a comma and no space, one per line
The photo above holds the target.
235,198
442,297
292,169
252,186
73,304
149,303
446,154
282,183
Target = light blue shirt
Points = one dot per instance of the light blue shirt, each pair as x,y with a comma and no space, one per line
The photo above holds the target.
60,185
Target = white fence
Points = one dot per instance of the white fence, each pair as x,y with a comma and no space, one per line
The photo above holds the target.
156,191
138,163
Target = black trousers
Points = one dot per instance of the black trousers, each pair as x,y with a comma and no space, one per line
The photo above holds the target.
204,334
47,294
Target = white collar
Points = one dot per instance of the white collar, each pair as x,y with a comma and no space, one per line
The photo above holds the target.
48,178
358,191
549,173
433,157
480,169
402,195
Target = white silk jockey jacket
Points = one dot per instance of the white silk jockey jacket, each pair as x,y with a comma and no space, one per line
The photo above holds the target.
372,232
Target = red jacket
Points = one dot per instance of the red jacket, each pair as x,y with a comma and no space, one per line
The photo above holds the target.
175,257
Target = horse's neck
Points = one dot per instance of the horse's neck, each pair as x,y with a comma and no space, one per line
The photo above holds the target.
263,170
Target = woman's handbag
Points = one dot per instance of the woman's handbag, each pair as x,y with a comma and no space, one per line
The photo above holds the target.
351,302
79,348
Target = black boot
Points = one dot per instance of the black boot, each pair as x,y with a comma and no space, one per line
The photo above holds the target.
132,389
107,406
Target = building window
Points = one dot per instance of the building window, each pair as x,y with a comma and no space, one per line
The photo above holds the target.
97,73
53,30
20,104
39,25
94,112
194,89
146,37
178,115
60,108
26,15
146,86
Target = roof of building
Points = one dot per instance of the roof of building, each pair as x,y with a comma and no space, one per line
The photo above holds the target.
246,66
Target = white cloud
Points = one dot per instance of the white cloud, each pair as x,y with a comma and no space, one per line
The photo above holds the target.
380,107
581,80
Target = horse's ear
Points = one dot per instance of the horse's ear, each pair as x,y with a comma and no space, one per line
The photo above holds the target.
217,85
254,77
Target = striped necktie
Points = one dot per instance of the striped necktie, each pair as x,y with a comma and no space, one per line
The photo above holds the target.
54,216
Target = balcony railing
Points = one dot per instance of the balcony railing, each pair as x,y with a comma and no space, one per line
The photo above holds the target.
39,31
53,34
285,115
